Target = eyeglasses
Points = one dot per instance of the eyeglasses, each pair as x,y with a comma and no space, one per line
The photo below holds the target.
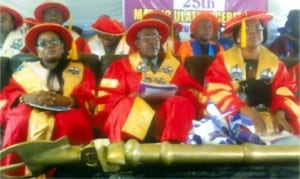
147,38
45,43
254,29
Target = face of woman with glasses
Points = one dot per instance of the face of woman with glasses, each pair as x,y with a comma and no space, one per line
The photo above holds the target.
148,43
254,31
49,47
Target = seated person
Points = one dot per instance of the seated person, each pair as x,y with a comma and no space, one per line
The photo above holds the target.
29,22
50,98
109,38
172,42
251,80
56,12
287,44
11,39
204,29
123,113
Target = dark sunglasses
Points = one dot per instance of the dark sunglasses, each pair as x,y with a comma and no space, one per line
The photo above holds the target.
45,43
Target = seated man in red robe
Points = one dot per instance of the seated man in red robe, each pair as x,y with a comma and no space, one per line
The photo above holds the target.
123,112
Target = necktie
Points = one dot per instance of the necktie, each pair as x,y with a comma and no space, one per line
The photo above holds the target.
150,65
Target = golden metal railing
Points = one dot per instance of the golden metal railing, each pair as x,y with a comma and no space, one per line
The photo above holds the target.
40,156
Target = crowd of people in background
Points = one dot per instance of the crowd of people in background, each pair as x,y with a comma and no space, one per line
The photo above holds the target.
57,96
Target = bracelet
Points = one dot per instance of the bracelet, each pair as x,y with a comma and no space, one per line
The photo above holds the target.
21,99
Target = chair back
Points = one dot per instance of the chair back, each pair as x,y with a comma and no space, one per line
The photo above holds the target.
197,66
289,62
89,60
106,60
18,59
92,62
5,71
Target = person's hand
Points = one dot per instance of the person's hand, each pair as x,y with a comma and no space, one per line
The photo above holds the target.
280,122
258,122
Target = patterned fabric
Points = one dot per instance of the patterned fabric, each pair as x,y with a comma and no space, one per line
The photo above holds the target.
13,44
214,129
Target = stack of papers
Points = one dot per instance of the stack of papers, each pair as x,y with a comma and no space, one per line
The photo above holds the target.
281,138
149,90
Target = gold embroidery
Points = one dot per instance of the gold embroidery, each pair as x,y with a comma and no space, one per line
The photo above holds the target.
266,61
233,57
164,74
72,76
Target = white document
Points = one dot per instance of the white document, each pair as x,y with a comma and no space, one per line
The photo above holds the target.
281,138
149,90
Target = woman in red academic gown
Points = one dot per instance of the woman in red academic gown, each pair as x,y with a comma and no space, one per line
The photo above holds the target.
28,102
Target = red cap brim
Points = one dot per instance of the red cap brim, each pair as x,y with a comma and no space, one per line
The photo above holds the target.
106,25
33,33
160,16
250,15
18,20
39,11
162,28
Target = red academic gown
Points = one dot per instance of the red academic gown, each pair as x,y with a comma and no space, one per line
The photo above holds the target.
295,74
23,123
121,115
81,43
223,90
